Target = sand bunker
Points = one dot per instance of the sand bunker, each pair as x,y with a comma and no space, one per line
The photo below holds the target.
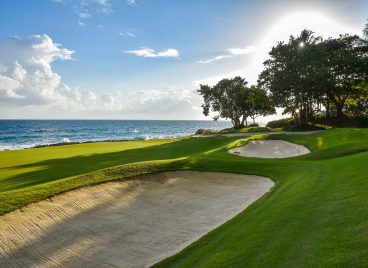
269,149
126,224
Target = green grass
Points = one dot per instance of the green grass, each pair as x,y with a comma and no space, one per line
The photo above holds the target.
316,215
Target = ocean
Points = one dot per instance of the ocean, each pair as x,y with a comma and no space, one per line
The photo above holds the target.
20,134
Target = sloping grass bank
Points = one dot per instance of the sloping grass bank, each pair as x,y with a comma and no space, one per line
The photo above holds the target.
316,215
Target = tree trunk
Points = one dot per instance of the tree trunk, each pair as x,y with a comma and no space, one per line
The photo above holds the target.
339,104
302,116
244,120
339,108
236,123
328,114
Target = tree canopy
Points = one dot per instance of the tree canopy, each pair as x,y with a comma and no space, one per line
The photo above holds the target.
233,99
308,74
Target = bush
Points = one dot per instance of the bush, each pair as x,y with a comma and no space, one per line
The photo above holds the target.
360,122
253,125
259,129
306,127
289,124
202,131
281,123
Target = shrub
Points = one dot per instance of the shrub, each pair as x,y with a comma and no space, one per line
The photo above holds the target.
281,123
253,125
202,131
259,129
305,127
289,124
359,122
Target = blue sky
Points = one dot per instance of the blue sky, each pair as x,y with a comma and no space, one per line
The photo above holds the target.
143,59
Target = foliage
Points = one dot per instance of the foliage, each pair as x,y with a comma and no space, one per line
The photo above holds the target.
290,75
255,130
249,129
345,70
232,99
347,122
258,103
281,123
227,98
308,74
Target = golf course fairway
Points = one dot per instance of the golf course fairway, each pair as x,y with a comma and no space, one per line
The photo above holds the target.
316,215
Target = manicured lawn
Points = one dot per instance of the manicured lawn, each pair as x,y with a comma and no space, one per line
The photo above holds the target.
316,215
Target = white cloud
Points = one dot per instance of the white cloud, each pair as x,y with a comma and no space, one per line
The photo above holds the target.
168,53
85,8
129,34
30,88
151,53
171,103
102,2
241,51
131,2
28,77
231,53
214,79
220,57
84,14
103,6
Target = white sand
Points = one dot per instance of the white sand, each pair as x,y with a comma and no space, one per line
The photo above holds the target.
125,224
270,149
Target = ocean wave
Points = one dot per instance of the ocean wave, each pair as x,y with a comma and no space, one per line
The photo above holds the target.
18,146
65,140
19,134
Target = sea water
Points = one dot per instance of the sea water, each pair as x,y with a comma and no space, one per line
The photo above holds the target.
20,134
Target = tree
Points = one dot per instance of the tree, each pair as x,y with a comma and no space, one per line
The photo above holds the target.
358,105
291,76
308,74
227,98
259,103
346,70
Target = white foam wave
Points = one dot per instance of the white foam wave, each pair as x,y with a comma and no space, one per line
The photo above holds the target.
65,140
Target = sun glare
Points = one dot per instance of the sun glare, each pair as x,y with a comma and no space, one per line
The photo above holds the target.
292,24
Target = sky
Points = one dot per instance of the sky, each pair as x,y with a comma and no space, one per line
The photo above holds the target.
144,59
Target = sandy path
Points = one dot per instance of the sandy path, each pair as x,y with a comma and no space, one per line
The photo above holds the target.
270,149
125,224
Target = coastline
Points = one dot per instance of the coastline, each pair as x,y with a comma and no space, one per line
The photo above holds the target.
21,134
86,142
166,138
